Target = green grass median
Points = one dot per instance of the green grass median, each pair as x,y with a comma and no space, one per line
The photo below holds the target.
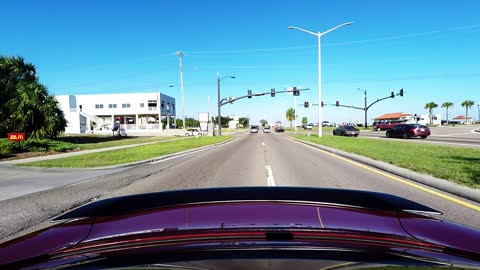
459,165
128,155
97,142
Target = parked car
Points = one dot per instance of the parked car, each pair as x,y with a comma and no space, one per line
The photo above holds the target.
310,126
253,129
266,129
327,124
279,129
408,131
346,131
193,132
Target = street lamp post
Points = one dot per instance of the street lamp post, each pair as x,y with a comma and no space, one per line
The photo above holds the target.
365,107
180,55
219,117
319,35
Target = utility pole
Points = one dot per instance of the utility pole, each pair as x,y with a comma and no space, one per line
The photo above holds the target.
365,106
219,123
180,55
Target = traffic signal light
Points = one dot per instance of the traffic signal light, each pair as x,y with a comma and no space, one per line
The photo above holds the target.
401,92
392,95
296,92
306,104
272,92
337,103
249,93
321,103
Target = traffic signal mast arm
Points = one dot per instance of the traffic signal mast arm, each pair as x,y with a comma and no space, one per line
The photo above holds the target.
226,101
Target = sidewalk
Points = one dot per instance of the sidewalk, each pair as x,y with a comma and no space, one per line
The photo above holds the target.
82,152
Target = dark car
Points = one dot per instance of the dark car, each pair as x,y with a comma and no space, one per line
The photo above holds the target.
279,129
408,131
250,228
346,131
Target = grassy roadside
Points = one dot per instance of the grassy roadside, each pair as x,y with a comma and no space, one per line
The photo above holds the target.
459,165
127,155
117,142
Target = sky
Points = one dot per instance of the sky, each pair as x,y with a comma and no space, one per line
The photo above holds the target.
428,48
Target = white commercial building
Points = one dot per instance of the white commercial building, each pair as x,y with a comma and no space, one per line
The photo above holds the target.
132,111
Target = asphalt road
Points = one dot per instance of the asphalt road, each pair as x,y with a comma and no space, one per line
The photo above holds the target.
251,160
464,136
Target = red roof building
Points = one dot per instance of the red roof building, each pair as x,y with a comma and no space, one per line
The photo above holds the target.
392,116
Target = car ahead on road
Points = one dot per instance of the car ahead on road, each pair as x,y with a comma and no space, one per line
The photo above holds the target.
309,126
407,131
193,132
251,227
266,129
279,129
253,129
346,131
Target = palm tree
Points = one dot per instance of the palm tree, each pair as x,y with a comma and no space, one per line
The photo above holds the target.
447,105
290,115
467,104
304,121
430,106
26,104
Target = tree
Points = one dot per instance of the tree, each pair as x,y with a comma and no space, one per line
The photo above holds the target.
304,120
468,105
447,105
263,122
191,122
26,104
290,115
244,121
430,106
224,120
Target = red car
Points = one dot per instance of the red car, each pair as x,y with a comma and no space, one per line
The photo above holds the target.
386,125
407,131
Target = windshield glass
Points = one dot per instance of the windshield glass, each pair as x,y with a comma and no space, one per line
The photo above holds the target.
105,100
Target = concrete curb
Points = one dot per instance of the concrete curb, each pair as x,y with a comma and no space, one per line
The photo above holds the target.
159,158
441,184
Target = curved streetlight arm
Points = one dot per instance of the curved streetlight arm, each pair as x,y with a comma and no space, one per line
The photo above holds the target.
338,26
303,30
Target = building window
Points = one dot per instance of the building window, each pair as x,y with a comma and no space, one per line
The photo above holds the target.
168,106
112,106
98,106
127,105
163,104
142,105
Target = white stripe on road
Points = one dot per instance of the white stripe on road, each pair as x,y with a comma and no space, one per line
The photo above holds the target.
270,180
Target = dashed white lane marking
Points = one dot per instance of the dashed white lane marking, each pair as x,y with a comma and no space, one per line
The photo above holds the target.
263,144
270,180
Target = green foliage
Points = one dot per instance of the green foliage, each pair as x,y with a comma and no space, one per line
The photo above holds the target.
290,115
467,104
36,145
304,120
224,120
26,106
457,164
263,122
430,106
244,121
133,154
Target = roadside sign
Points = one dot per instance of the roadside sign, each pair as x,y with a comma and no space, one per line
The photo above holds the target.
16,137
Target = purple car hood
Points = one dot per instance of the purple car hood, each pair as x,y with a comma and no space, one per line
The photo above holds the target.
185,218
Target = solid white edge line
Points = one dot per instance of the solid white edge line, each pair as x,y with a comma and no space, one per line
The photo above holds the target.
270,180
